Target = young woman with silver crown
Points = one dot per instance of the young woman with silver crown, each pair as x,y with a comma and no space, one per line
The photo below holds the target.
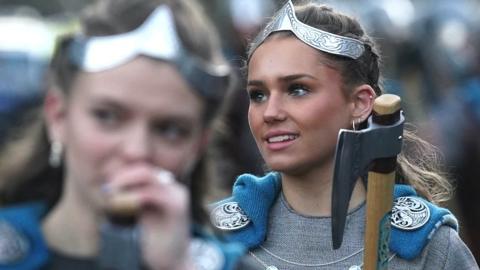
127,115
312,72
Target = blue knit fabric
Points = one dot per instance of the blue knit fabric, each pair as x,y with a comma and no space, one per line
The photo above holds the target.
25,219
232,251
255,197
409,244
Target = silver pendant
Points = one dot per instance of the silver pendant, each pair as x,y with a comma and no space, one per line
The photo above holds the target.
271,267
229,216
409,213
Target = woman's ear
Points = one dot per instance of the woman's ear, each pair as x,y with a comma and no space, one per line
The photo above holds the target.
363,97
54,108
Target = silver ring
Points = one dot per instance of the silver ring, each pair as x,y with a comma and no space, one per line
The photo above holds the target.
164,177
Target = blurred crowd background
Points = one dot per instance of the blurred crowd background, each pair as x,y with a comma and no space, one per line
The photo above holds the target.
431,58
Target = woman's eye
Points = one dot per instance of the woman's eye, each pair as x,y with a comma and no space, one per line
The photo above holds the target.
106,117
298,90
172,131
257,96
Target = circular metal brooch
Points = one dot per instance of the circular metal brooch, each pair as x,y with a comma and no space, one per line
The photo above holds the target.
409,213
205,255
13,245
229,216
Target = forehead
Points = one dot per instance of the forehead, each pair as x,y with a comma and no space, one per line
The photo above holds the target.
285,54
142,84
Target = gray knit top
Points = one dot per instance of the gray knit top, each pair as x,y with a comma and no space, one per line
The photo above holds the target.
298,242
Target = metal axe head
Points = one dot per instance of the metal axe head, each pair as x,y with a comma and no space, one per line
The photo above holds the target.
355,152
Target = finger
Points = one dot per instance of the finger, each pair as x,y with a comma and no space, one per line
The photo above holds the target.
162,194
168,199
135,176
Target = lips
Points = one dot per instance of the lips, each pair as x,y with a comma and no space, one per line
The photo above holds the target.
279,140
282,138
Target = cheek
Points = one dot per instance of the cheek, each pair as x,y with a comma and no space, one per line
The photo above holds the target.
94,147
319,118
326,118
87,156
179,159
255,122
324,134
88,150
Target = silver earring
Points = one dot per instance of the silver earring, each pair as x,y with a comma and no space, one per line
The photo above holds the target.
356,122
55,158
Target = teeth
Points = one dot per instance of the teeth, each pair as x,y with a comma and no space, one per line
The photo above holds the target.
281,138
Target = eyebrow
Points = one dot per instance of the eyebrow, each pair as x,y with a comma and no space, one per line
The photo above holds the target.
297,76
287,78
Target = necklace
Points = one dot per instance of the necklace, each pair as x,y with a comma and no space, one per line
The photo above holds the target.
267,267
272,267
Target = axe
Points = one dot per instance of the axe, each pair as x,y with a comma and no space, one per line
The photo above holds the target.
373,149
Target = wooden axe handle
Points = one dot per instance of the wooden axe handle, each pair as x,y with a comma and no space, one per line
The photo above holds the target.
381,180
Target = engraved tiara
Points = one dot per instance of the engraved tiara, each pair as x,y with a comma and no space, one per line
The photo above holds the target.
286,20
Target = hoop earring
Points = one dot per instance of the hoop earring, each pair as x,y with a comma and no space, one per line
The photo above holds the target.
55,158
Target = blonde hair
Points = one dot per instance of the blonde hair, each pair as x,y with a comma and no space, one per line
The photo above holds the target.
421,164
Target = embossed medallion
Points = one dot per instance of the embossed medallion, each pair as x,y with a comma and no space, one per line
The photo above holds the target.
229,216
409,213
13,245
205,255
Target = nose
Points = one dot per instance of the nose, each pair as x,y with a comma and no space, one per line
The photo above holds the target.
274,110
137,145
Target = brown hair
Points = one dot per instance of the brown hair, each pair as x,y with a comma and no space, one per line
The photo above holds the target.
419,163
107,17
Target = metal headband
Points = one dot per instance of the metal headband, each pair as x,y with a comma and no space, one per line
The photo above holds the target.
156,38
286,20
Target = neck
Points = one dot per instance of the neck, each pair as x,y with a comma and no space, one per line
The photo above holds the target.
311,193
71,228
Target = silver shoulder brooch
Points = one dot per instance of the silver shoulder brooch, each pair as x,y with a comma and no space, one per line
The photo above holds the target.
14,246
205,255
229,216
409,213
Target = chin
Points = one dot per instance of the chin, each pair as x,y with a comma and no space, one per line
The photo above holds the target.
290,167
281,166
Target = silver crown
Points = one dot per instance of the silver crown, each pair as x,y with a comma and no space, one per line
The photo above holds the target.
156,37
286,20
